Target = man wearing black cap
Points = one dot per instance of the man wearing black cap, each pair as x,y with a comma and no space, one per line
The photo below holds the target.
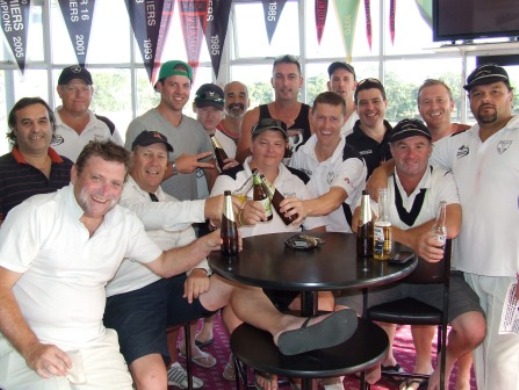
192,145
76,124
343,81
484,161
415,191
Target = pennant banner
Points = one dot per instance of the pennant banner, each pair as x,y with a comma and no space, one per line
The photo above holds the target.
392,17
425,7
15,24
216,30
167,14
321,9
145,19
347,12
272,11
193,18
78,18
369,32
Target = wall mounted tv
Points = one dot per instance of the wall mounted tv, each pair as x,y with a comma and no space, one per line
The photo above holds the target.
472,19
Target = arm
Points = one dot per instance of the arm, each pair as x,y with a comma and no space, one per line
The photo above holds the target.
188,163
46,360
245,138
326,203
378,178
211,174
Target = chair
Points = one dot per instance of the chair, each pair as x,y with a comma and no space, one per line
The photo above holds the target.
187,337
409,311
255,348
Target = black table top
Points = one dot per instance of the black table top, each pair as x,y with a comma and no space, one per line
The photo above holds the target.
267,262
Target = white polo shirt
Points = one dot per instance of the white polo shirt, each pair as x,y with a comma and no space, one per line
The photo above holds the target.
286,182
343,170
61,293
487,175
167,222
347,127
69,143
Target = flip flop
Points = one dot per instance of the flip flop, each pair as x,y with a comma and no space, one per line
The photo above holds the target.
422,384
333,330
205,343
205,360
396,368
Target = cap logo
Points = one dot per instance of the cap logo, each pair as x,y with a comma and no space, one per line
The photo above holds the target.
156,135
75,69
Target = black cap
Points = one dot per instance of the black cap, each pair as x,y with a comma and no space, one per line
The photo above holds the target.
487,74
269,124
147,138
409,128
209,95
74,72
340,65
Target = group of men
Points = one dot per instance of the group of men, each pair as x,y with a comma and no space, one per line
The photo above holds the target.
124,230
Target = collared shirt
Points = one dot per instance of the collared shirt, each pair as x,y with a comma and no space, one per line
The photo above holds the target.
289,182
62,291
167,222
20,180
67,142
347,127
344,169
487,175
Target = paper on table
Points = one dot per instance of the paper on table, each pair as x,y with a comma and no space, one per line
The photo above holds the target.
510,315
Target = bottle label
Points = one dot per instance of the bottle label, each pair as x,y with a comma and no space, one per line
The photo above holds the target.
267,205
378,239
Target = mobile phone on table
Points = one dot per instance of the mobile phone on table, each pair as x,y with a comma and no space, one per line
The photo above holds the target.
401,258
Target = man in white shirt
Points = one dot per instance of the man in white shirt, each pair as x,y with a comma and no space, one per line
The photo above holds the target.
76,124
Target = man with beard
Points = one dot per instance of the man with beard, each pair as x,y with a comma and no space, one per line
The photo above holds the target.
286,81
343,81
236,97
484,161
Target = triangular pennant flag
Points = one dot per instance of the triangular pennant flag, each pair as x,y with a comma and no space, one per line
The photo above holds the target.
193,17
272,11
425,7
216,31
167,14
145,20
392,17
78,17
15,25
369,32
347,12
321,9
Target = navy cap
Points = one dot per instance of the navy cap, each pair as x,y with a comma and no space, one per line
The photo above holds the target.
340,65
74,72
146,138
209,95
487,74
269,124
409,128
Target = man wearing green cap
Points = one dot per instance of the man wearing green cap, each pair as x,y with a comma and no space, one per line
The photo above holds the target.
191,143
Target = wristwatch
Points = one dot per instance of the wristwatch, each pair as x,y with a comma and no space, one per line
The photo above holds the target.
174,167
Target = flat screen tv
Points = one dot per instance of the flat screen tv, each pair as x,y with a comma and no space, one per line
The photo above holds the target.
472,19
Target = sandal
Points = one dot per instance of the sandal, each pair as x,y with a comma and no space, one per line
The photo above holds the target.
409,383
396,369
205,360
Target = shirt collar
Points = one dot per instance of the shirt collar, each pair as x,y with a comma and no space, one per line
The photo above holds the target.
20,158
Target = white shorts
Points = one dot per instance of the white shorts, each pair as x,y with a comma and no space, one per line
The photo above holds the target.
103,367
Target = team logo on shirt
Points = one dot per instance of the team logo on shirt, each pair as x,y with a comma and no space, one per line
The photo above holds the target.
462,151
56,140
331,176
502,146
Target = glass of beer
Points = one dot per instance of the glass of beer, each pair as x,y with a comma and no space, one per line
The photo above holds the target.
241,193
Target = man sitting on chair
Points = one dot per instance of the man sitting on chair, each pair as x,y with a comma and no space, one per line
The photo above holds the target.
415,191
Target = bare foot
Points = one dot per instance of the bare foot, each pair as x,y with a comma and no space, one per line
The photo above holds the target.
373,375
265,381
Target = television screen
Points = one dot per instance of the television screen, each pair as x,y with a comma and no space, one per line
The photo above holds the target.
472,19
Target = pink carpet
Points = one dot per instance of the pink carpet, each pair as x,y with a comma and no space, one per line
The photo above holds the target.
213,379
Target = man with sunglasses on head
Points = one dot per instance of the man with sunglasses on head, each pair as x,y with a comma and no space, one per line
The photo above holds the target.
286,81
371,132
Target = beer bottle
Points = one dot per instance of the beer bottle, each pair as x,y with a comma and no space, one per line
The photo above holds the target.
229,230
365,228
440,225
219,153
260,195
276,198
382,235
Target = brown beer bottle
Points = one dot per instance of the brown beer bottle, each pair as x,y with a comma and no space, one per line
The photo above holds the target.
440,225
382,230
365,228
259,194
219,153
276,198
229,232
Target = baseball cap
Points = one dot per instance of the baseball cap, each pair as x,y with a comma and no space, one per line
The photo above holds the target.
75,72
175,68
209,95
486,74
340,65
269,124
409,128
146,138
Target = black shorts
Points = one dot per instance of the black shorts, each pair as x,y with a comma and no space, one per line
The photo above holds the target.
281,298
142,316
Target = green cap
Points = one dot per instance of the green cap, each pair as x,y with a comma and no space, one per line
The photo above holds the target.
175,68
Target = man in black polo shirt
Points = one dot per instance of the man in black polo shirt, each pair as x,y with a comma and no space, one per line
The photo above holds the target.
371,132
32,167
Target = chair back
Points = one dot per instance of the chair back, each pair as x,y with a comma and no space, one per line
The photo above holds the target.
432,273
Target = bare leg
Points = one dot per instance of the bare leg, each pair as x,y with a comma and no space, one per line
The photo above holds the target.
149,372
463,376
422,338
206,332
